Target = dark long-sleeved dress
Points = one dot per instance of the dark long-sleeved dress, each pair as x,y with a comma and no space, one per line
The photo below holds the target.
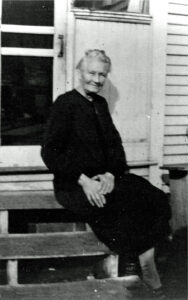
81,138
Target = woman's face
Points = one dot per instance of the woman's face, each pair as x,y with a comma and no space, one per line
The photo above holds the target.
93,75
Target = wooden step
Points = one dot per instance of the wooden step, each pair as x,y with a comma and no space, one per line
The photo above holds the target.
81,290
49,245
28,200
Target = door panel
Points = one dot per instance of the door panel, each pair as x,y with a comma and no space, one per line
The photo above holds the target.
127,89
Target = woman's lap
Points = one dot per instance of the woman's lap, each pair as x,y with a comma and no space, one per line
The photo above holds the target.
136,213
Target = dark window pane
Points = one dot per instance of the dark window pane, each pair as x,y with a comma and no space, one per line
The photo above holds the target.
27,40
26,99
28,12
142,6
111,5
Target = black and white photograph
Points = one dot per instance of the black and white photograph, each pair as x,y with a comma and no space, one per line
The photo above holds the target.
93,149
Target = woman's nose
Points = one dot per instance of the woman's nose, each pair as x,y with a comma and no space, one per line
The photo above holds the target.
96,78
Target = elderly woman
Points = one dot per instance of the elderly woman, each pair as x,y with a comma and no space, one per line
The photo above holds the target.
83,149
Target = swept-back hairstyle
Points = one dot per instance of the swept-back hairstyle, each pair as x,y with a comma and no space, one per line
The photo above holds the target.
95,53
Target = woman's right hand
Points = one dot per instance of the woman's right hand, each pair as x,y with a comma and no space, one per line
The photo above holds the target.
91,189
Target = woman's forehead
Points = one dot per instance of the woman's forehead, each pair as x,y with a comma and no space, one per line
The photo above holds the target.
95,64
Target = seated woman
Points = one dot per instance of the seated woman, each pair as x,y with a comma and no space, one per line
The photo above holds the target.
84,151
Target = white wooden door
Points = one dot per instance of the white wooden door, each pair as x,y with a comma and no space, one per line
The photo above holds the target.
33,74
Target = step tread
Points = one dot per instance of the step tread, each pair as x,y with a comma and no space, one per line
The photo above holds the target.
79,290
45,245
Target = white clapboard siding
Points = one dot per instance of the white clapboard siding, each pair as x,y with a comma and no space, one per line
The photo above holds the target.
176,106
178,2
177,39
177,29
177,70
176,100
175,159
176,90
178,9
176,149
177,60
177,80
177,49
176,110
180,130
174,120
175,140
177,19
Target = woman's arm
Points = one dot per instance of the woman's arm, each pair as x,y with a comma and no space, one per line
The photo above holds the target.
56,140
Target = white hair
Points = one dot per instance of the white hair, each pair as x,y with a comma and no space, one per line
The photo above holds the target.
95,53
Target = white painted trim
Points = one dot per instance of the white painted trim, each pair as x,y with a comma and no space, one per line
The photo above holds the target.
158,10
70,46
27,29
0,65
59,67
112,16
27,52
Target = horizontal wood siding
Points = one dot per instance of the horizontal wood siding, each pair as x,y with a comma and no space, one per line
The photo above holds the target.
176,106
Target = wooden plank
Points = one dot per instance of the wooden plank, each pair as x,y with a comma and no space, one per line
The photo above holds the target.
176,90
177,50
175,19
108,289
176,100
177,29
175,159
173,120
26,178
177,40
177,70
179,196
178,2
175,140
56,227
177,80
29,170
176,110
49,245
177,60
176,149
24,170
176,130
178,9
3,221
26,186
12,272
28,200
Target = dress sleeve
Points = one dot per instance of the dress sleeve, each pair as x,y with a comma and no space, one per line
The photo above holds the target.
55,146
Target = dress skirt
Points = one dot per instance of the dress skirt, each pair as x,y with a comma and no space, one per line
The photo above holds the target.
134,219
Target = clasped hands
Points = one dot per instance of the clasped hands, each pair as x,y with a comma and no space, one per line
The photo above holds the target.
97,187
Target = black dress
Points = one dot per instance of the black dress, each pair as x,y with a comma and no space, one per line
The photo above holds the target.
136,215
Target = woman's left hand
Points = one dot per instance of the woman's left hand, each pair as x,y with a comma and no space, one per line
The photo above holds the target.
107,182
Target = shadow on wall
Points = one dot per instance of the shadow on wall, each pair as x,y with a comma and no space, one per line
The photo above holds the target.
110,93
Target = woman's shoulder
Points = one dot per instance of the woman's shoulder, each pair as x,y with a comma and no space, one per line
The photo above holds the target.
66,100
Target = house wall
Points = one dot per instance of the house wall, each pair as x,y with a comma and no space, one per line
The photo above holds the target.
176,100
